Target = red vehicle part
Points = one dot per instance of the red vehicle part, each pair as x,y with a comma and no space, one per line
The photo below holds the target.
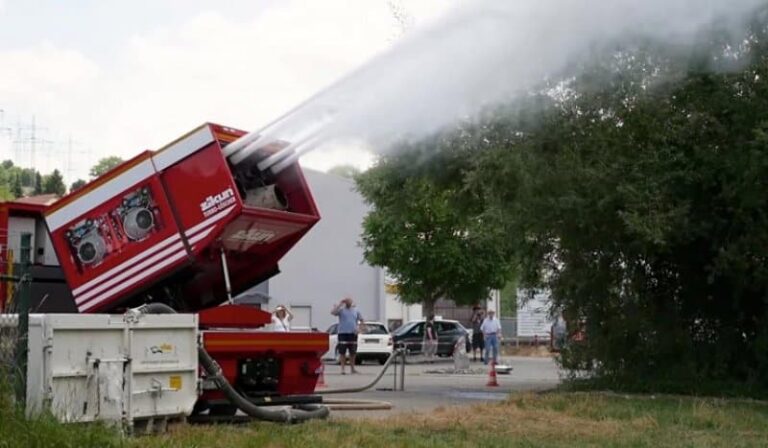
163,218
166,226
260,363
287,363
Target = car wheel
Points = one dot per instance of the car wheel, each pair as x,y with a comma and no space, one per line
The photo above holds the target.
358,361
200,407
383,360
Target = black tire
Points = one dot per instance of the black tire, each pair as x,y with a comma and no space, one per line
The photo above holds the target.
383,360
225,410
358,361
200,407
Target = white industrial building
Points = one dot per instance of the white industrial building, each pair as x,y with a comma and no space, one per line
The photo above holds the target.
327,264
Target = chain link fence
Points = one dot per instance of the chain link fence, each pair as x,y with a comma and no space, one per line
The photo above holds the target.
14,325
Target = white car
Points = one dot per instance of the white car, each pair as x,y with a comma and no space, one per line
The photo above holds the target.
373,342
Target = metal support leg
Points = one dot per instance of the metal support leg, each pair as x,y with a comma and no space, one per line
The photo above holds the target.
394,371
225,268
402,372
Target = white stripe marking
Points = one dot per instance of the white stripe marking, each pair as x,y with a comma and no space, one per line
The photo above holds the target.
196,238
136,258
200,236
132,281
114,271
100,195
217,217
125,274
183,148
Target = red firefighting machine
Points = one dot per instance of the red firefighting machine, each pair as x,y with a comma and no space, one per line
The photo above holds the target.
185,227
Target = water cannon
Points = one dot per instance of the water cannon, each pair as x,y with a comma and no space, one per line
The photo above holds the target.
182,224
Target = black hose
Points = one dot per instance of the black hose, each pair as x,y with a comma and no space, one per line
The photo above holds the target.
282,416
300,414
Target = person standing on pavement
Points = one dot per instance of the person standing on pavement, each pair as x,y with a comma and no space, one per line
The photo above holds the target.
349,320
477,333
491,328
281,319
430,339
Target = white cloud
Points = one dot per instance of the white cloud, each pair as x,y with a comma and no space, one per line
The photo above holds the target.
237,71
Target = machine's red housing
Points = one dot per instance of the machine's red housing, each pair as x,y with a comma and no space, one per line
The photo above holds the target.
224,339
196,211
165,219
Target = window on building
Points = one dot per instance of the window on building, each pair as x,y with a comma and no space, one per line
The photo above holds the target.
25,248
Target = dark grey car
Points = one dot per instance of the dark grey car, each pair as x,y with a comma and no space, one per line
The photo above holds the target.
411,336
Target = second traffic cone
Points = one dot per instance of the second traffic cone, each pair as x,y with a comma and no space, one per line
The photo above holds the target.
492,376
321,379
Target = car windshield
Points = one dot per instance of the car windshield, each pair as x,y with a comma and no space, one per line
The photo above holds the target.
405,328
374,329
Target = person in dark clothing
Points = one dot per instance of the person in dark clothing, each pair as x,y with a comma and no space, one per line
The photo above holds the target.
478,342
430,339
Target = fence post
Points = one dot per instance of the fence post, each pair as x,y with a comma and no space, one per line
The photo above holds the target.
402,373
394,369
22,336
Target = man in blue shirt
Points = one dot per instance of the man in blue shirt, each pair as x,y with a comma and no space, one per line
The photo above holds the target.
349,319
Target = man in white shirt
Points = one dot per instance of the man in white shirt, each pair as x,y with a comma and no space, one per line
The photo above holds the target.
491,328
281,319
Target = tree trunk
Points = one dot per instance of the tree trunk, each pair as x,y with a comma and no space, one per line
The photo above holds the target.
428,307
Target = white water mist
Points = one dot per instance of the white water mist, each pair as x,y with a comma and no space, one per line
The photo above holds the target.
486,52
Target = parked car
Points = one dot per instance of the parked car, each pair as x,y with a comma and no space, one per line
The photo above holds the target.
373,342
411,336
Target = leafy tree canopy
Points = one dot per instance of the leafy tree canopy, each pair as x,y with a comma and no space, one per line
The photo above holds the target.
76,185
54,184
635,191
105,164
431,239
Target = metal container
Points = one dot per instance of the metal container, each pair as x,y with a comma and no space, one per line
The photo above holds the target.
119,368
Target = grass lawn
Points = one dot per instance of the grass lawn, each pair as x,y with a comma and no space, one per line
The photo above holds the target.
556,419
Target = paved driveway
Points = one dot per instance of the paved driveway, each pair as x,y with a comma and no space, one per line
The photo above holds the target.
425,391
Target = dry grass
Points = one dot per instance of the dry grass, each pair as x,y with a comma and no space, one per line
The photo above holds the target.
507,420
556,420
573,419
540,351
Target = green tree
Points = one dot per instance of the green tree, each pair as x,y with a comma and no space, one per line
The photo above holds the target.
433,242
103,165
28,177
347,171
639,200
38,183
5,193
16,189
76,185
54,184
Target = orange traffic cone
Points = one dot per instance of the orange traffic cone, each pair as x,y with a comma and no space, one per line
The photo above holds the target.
492,376
321,378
